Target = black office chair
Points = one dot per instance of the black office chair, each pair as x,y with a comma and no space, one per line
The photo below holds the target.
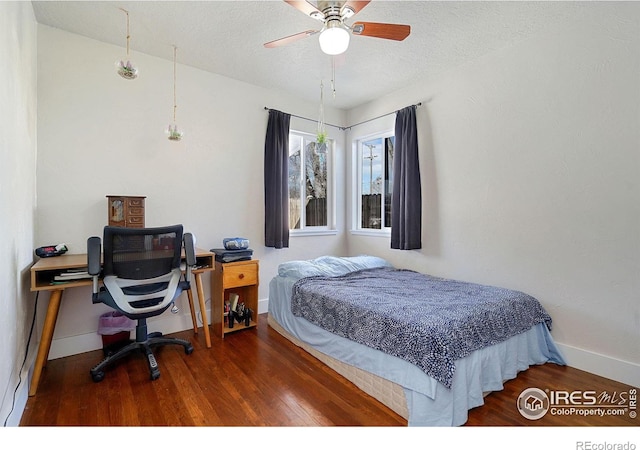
142,277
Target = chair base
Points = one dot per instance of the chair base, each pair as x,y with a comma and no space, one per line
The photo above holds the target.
153,340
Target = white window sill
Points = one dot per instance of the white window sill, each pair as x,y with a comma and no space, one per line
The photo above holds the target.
296,233
375,233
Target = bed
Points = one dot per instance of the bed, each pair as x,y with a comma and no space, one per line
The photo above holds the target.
429,371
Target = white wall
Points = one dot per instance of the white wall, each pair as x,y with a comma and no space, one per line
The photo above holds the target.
17,201
99,134
530,163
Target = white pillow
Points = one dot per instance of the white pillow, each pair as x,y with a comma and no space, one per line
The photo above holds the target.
331,266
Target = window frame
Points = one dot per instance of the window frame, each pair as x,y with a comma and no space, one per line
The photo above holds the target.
357,173
330,228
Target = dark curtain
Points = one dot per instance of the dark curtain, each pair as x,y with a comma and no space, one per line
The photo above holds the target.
406,198
276,180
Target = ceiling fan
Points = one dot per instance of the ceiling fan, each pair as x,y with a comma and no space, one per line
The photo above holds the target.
335,34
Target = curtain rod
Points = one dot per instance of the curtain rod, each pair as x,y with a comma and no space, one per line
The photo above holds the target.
311,120
376,118
350,126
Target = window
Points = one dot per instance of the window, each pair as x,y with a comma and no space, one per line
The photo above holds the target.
309,190
375,181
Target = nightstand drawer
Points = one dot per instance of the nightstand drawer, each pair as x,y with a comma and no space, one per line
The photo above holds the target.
240,275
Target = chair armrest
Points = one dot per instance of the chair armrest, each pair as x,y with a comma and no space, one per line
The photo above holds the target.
94,266
94,251
189,249
190,254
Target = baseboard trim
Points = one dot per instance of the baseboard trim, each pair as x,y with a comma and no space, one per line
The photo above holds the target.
16,402
167,323
605,366
263,305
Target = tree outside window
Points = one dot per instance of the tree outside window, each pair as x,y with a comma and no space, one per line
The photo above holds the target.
307,182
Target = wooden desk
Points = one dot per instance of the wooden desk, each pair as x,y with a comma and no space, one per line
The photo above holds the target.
45,269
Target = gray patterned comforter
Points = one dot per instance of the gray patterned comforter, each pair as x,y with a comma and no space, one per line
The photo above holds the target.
425,320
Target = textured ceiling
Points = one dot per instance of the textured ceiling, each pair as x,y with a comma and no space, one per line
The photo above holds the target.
227,37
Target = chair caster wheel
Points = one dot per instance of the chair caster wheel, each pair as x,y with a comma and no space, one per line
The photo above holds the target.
188,350
97,376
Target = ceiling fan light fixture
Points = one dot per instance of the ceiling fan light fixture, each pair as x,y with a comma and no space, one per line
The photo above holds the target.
334,39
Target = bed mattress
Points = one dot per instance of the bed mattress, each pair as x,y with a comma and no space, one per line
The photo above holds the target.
423,401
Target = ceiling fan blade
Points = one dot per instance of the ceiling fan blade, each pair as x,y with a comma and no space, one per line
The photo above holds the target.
307,8
381,30
354,6
289,39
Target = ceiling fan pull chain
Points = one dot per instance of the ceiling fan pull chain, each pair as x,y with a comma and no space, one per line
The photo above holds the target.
333,76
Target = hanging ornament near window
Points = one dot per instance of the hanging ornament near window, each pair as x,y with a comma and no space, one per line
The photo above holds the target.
125,67
321,135
173,134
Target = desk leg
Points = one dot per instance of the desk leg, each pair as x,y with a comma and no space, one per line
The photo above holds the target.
193,312
45,340
203,309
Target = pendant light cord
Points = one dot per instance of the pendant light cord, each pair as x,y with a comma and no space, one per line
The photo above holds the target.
174,83
321,128
128,36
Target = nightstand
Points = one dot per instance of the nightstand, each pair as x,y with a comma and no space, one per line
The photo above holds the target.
241,278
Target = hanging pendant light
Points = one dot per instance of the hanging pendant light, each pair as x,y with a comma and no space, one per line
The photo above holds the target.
125,67
173,134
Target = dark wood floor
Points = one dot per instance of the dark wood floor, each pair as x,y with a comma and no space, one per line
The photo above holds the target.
257,378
